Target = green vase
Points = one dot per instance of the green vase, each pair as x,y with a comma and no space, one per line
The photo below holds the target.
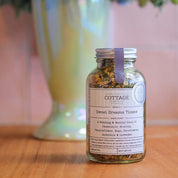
68,31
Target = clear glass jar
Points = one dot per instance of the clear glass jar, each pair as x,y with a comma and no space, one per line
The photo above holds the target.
115,111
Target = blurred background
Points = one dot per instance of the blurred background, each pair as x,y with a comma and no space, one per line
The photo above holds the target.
24,95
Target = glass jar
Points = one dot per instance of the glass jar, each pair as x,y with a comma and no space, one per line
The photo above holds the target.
115,108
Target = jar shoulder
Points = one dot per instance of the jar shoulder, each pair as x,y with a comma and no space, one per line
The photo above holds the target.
134,75
92,74
106,78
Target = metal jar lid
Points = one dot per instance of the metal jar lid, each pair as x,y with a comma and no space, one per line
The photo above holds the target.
108,53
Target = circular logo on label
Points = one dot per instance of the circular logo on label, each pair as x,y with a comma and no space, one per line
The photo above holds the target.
138,93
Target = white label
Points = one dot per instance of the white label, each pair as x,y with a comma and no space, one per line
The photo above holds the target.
116,118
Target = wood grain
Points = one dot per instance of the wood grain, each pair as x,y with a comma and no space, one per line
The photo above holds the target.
23,156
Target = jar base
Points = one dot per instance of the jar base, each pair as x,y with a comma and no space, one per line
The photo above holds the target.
94,159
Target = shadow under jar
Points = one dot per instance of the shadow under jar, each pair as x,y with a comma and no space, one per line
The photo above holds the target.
115,111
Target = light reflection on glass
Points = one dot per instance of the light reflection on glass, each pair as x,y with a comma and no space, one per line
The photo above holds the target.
82,131
68,114
67,135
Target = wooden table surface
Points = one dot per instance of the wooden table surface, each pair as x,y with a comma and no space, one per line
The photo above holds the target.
23,156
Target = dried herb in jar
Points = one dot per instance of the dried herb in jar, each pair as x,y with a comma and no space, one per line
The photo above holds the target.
115,108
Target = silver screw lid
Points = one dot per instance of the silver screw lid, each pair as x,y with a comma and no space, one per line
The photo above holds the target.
108,53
